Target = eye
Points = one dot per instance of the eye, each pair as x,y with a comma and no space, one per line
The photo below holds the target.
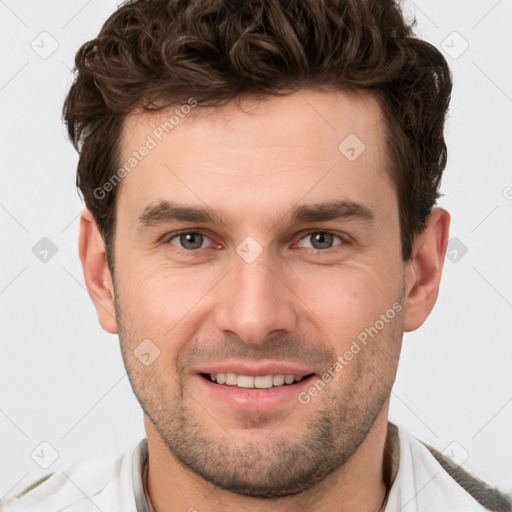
321,240
192,241
189,240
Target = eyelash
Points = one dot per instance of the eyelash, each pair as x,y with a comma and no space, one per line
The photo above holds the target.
344,239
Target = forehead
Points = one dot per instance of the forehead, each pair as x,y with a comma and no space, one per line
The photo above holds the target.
259,153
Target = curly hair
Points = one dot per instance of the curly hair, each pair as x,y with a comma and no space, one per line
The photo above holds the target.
151,54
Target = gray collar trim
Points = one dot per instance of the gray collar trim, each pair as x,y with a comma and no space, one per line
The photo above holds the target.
139,460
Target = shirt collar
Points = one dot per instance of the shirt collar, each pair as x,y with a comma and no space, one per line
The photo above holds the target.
390,469
139,461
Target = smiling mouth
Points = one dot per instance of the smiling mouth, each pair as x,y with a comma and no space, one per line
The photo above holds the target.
254,382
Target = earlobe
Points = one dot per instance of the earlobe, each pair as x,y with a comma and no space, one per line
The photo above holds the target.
423,271
96,272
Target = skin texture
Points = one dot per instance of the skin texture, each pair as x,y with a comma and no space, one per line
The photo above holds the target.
292,304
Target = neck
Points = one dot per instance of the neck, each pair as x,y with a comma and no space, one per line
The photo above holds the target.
359,485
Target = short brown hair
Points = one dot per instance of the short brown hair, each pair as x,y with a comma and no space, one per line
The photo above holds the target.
150,54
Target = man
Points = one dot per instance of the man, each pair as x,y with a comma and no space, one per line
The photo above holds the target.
260,230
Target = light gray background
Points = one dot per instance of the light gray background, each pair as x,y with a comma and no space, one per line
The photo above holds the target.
62,379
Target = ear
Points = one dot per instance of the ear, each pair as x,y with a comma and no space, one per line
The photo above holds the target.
423,270
98,279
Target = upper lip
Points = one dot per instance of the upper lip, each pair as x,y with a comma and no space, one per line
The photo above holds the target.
254,369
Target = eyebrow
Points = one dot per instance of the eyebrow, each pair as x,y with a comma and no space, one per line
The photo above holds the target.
164,212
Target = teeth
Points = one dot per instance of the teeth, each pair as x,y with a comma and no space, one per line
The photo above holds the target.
278,380
231,379
245,381
259,382
262,382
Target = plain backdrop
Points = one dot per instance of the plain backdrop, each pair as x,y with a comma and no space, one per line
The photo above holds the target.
62,380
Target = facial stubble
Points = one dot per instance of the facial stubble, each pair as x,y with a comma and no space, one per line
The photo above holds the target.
276,464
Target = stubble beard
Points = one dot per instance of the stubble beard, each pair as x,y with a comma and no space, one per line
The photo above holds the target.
277,464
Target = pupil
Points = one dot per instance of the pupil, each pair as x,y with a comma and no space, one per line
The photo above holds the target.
188,238
321,238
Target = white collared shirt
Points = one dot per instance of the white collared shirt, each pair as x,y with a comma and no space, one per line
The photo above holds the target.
422,485
115,485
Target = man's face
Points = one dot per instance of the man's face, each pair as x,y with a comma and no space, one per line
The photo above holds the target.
257,291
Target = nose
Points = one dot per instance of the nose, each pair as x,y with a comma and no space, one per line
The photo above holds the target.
256,302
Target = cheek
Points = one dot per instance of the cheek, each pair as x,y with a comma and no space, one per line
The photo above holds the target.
167,301
162,304
156,290
344,300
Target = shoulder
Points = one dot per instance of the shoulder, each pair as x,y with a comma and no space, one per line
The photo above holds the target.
100,483
427,480
489,497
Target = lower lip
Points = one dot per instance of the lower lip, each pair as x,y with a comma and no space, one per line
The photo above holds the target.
253,399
